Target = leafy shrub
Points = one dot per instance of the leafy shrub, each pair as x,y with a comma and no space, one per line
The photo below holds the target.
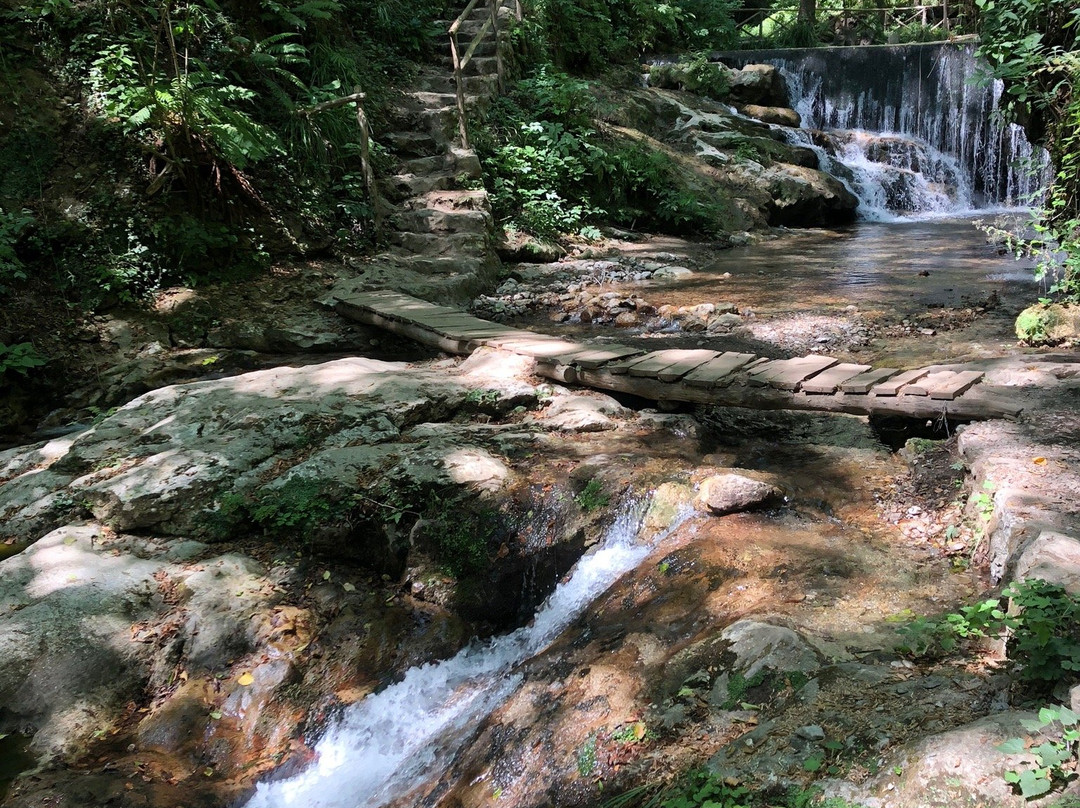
1056,758
20,358
551,170
12,227
1043,624
592,497
590,35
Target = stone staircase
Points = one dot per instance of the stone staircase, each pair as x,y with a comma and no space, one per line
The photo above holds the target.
437,221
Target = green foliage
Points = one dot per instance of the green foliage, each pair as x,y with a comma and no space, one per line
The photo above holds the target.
197,125
1056,757
297,506
551,169
749,152
586,757
1034,324
460,540
592,497
1043,625
19,358
1032,45
702,789
12,226
591,35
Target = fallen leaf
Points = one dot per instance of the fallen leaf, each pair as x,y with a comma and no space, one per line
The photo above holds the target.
348,587
215,714
1038,461
326,575
245,679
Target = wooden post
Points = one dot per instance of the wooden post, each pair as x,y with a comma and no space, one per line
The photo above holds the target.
460,85
493,6
365,161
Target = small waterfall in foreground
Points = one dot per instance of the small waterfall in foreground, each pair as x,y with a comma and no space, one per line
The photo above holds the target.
911,129
385,745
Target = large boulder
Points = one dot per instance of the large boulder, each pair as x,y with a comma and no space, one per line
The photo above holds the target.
759,84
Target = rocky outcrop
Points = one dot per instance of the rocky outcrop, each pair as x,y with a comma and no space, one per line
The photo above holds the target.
750,162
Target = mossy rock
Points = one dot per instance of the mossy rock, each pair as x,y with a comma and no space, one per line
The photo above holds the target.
1048,324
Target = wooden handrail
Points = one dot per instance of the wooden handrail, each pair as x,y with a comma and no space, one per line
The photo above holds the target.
357,98
461,62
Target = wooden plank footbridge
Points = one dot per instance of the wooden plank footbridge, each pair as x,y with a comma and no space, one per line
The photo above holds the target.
699,376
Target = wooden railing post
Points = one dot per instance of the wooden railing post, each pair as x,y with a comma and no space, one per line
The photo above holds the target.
493,7
459,83
365,161
366,169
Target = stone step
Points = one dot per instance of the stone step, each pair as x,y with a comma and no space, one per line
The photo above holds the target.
413,144
457,161
477,66
434,220
438,265
451,200
445,83
440,244
405,186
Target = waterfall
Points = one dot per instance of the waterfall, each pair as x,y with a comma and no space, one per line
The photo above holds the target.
913,130
385,745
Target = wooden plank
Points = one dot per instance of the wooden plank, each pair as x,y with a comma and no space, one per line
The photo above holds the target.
923,386
622,367
593,356
761,360
829,380
893,385
957,386
711,372
537,345
650,368
862,383
757,369
689,361
788,373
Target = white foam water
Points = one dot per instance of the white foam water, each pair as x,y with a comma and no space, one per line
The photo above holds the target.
386,744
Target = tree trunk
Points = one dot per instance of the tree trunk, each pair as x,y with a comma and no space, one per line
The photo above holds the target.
808,11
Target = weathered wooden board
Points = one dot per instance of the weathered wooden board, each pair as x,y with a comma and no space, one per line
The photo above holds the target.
622,367
537,345
893,385
708,374
659,360
592,356
956,386
862,383
923,386
689,361
830,379
786,374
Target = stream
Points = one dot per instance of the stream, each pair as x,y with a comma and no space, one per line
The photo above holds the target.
381,747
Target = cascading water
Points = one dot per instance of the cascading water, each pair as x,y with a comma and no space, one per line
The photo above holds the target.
911,129
384,745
